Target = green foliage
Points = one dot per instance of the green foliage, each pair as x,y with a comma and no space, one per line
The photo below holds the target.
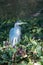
29,50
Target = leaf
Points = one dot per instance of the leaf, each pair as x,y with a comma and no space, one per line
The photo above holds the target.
22,63
38,49
37,63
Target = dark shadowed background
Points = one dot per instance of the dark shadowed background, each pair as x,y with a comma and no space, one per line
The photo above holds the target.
19,8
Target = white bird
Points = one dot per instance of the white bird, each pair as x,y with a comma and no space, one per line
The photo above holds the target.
15,33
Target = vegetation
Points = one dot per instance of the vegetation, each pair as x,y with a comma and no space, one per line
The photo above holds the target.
30,50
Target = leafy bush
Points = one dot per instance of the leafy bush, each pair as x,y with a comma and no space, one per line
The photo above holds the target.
29,51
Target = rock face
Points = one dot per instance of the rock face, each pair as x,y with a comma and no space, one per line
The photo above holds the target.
19,8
